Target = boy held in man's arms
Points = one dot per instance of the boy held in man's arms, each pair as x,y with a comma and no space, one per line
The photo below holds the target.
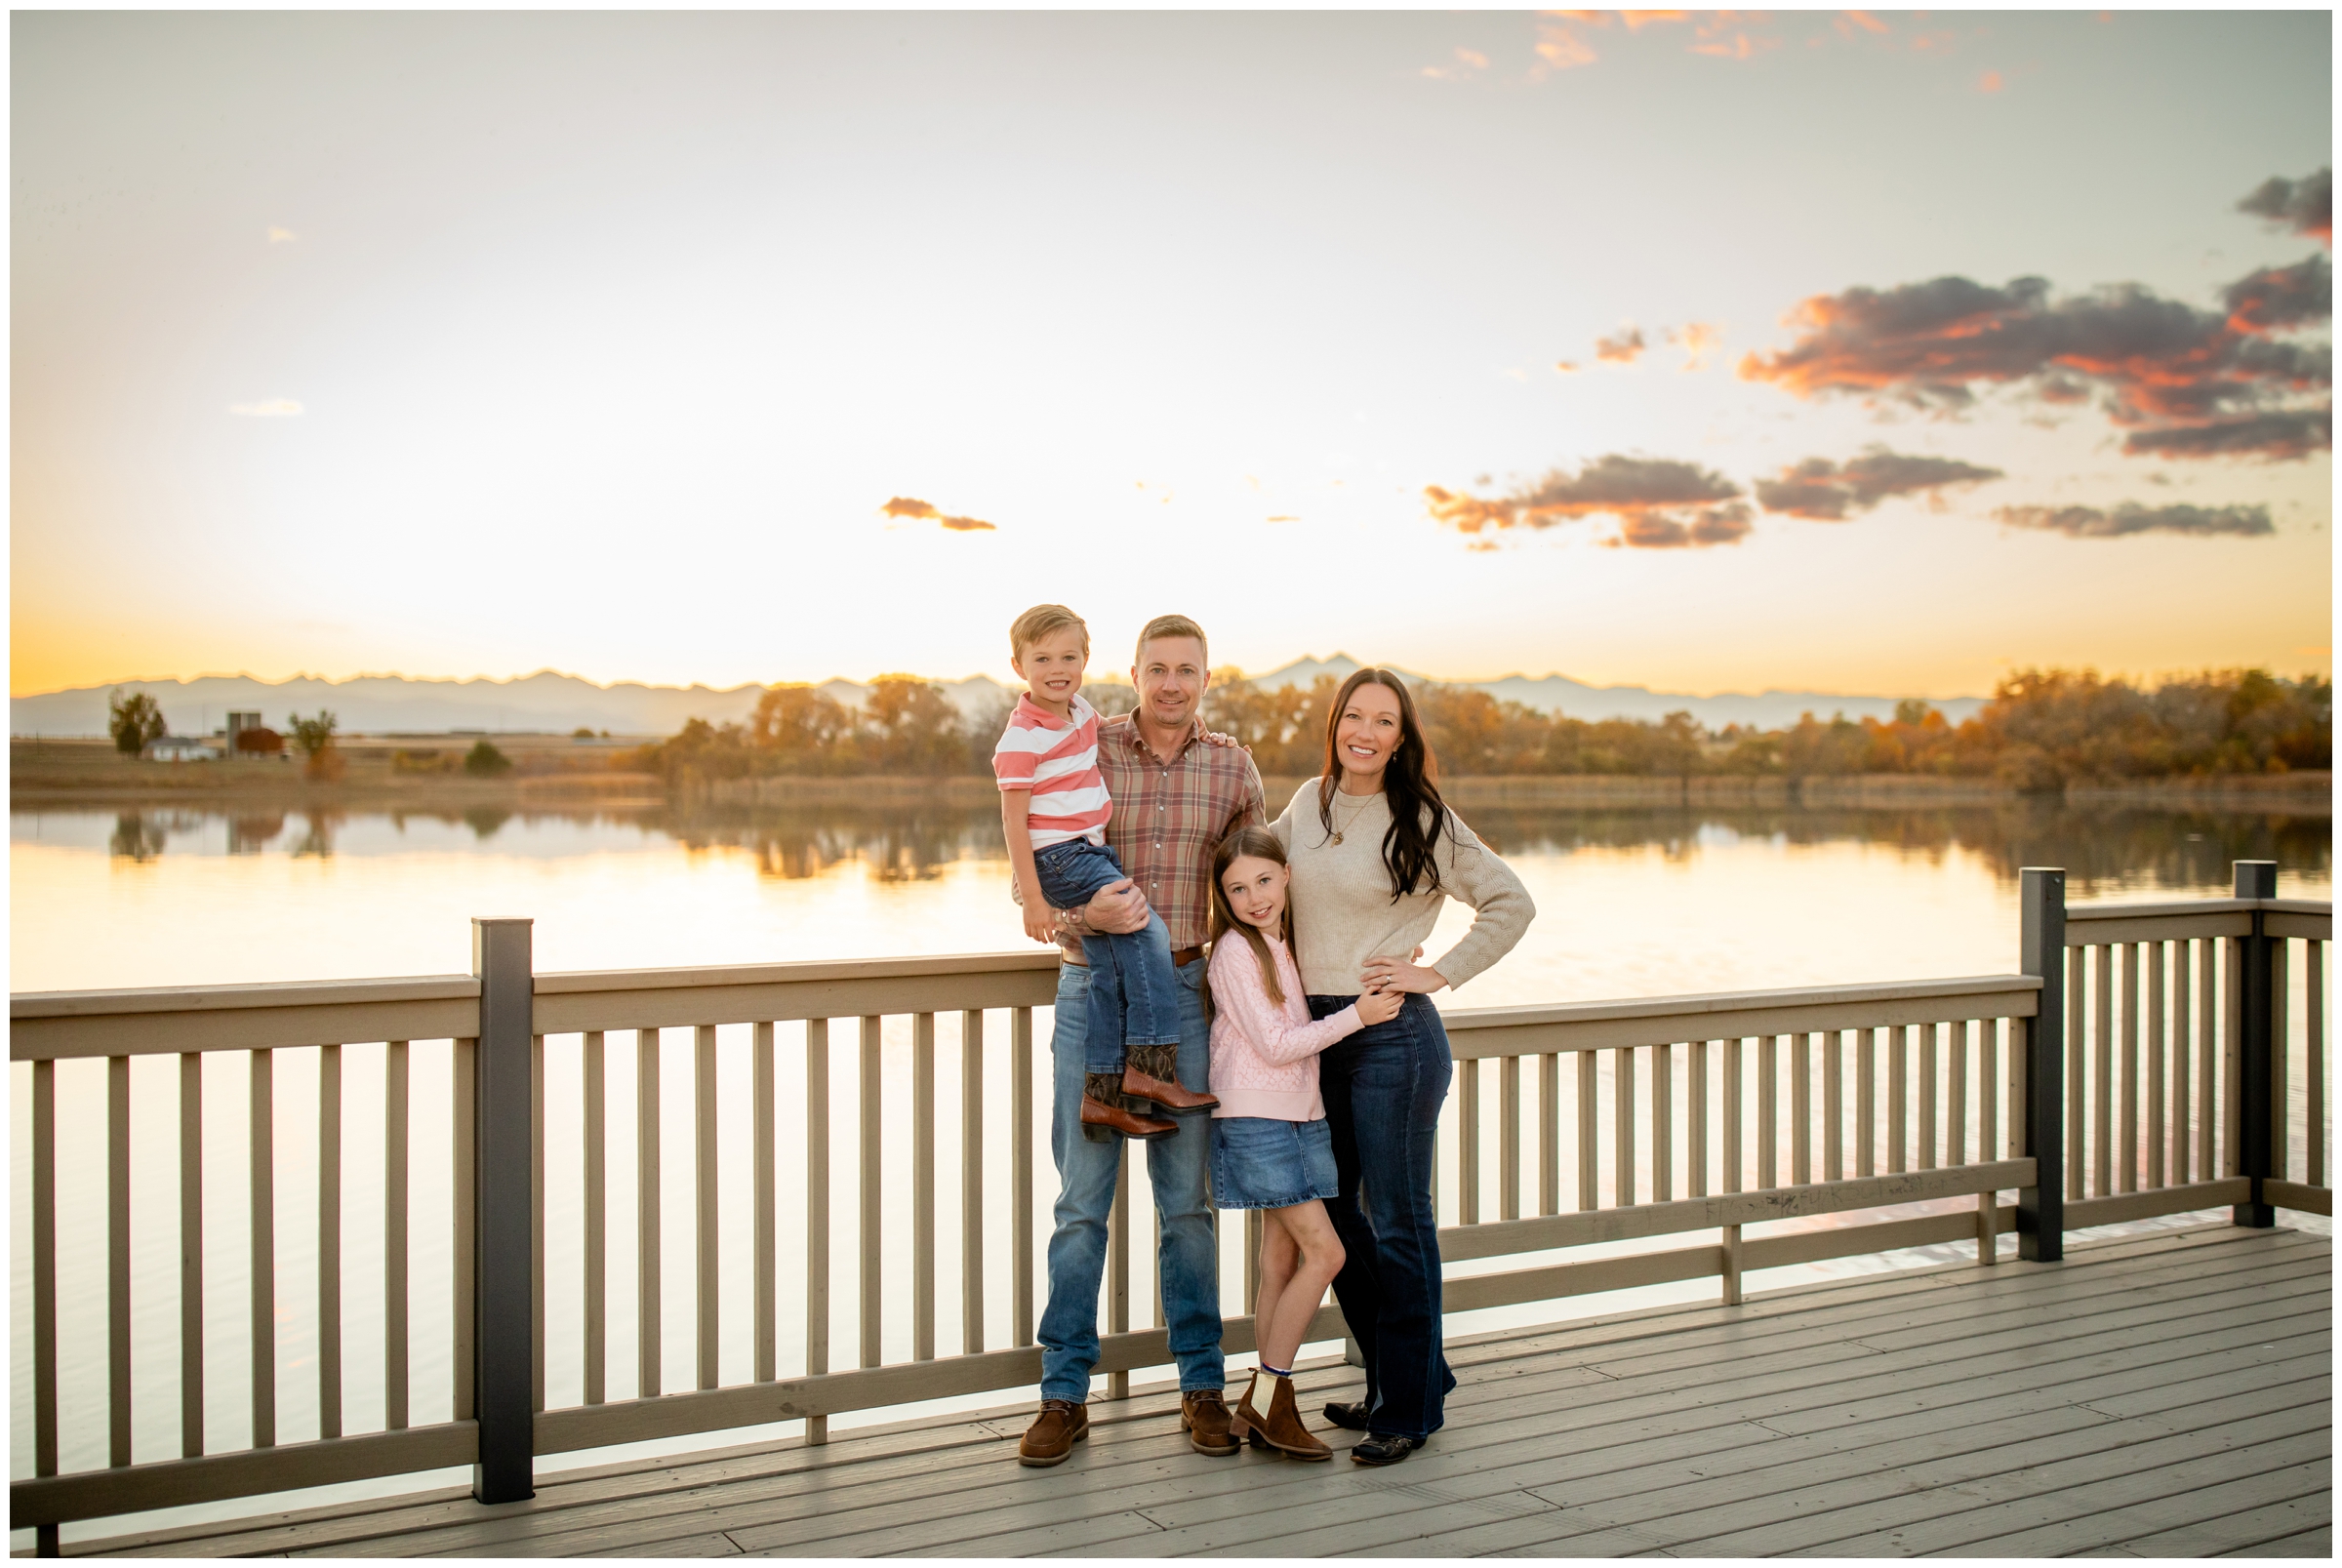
1054,808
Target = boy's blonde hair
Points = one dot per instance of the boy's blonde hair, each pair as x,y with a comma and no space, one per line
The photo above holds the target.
1173,626
1038,623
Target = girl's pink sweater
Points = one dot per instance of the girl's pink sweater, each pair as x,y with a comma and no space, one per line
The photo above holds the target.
1265,1057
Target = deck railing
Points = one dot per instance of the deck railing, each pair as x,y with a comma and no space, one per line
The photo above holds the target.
2184,1085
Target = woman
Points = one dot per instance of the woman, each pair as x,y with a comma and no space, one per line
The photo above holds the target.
1374,852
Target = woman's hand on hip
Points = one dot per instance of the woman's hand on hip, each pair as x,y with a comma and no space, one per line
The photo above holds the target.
1390,974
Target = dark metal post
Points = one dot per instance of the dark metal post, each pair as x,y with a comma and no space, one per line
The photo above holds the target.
504,1284
2256,1046
2042,950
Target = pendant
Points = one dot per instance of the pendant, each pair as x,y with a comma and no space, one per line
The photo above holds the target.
1336,839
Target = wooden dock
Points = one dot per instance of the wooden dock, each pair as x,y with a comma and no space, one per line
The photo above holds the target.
2157,1396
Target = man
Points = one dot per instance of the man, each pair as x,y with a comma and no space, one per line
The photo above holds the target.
1176,795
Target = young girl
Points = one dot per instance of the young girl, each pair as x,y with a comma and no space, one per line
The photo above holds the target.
1270,1145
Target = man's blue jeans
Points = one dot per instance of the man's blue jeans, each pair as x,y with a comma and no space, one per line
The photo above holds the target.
1187,1256
1134,997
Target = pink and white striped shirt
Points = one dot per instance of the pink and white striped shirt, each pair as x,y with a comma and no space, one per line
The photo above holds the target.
1057,759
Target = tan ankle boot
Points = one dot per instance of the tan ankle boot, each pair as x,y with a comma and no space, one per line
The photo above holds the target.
1152,1073
1281,1428
1104,1113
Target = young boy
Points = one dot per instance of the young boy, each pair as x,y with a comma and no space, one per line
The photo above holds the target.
1054,808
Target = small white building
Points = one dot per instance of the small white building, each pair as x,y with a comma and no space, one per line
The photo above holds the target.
180,748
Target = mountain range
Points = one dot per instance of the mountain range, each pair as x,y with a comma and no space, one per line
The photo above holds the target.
551,703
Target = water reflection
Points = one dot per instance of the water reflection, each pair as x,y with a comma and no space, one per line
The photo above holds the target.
2104,849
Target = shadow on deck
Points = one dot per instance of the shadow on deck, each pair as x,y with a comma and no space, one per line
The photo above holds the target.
2153,1397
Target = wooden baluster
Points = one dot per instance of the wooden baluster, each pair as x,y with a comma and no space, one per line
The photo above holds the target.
1988,1089
44,1283
1734,1170
1549,1133
2013,1089
971,1181
1865,1090
1930,1035
816,1213
463,1135
1956,1085
2158,1127
2232,1072
537,1222
117,1258
1117,1252
1252,1265
2210,1101
2280,1059
263,1130
2183,1064
2313,961
328,1241
1589,1132
1020,1223
923,1186
2102,1063
1663,1123
596,1176
647,1370
1769,1110
2127,1162
1834,1106
2077,1054
191,1255
767,1221
1800,1110
706,1237
1696,1119
1622,1105
1468,1141
396,1385
1898,1099
870,1146
1508,1163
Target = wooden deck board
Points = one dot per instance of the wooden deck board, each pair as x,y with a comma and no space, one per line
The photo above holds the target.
2153,1397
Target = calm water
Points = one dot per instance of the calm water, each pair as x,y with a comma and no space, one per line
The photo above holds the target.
1630,903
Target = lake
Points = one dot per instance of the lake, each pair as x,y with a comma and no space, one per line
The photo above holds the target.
1630,901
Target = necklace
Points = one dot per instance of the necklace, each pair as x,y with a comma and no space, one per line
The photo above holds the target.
1353,820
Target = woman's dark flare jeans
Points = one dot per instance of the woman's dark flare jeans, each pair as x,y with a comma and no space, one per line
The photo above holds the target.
1383,1089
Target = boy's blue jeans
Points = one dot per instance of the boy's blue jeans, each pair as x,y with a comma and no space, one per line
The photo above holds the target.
1187,1257
1133,987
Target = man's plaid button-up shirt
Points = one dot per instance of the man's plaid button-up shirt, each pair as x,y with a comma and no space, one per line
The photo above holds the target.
1169,817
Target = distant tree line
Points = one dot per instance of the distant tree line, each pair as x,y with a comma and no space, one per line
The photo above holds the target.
2042,729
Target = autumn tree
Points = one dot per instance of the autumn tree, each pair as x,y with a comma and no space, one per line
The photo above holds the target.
134,719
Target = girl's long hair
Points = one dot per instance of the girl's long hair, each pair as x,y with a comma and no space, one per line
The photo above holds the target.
1410,789
1260,844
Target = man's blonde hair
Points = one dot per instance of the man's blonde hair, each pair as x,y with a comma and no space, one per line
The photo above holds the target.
1172,627
1040,621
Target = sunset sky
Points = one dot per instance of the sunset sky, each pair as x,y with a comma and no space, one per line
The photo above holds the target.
1856,353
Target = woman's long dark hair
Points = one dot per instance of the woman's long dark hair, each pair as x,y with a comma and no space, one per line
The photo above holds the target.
1410,789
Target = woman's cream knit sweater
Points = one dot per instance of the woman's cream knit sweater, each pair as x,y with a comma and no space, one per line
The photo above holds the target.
1343,913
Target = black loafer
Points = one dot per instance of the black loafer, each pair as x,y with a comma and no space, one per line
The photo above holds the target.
1350,1418
1380,1448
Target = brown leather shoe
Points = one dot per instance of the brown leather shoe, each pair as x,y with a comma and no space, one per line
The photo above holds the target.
1107,1120
1281,1428
1152,1073
1203,1413
1051,1437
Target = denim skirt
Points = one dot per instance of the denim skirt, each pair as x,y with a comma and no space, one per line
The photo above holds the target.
1263,1164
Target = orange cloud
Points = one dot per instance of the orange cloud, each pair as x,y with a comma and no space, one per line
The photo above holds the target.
1850,23
1660,503
1991,82
1622,347
2306,206
1561,50
906,508
1698,339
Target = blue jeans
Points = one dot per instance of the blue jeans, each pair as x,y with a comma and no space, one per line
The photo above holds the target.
1383,1089
1134,997
1187,1257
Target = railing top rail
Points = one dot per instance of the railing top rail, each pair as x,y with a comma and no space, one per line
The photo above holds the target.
562,982
1713,1004
2173,908
239,998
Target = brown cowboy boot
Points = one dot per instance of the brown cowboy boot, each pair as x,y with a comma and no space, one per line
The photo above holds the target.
1152,1073
1103,1115
1281,1428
